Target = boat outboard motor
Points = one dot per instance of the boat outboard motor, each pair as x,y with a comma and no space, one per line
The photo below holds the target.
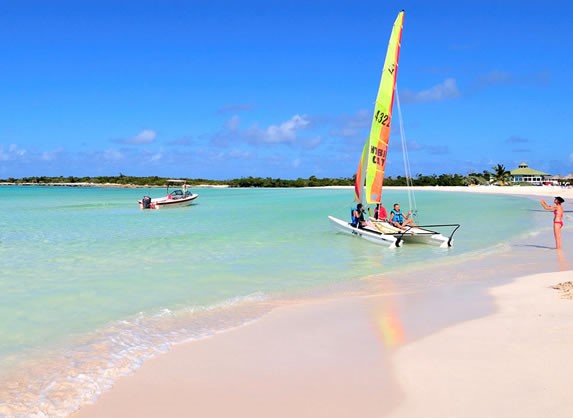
146,202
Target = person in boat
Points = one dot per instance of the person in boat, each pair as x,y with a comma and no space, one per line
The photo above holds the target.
398,219
358,216
380,213
557,218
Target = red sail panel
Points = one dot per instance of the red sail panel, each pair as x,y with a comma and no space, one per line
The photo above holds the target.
360,174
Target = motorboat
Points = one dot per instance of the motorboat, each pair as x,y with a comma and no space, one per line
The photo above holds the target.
179,196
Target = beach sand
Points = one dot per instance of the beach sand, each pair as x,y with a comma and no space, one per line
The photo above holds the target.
547,192
494,347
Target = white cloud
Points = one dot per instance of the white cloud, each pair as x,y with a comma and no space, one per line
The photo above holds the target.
350,127
286,131
183,141
156,157
514,139
495,78
313,142
444,91
233,123
112,155
236,108
51,155
13,152
147,136
240,154
415,146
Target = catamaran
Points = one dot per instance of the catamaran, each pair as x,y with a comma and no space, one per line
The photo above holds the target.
180,196
370,173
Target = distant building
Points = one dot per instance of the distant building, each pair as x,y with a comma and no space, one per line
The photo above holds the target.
528,175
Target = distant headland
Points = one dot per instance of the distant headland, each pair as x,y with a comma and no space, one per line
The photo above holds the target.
498,176
124,181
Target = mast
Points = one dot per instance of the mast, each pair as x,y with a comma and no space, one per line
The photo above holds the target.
407,172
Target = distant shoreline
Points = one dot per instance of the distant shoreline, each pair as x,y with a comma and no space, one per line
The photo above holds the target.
110,185
513,190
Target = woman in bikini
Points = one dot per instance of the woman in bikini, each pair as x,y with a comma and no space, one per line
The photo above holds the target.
557,219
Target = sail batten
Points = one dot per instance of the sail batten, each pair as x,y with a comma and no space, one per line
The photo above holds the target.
377,144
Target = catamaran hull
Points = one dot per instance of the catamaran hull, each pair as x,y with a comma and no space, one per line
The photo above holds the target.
414,235
426,238
375,237
165,203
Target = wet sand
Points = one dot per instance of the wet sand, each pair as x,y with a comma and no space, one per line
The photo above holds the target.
438,354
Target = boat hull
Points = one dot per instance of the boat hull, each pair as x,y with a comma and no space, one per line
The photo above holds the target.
166,203
416,234
380,238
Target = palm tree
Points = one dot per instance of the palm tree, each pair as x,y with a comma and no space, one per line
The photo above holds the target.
500,175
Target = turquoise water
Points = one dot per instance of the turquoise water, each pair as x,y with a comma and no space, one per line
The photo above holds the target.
91,286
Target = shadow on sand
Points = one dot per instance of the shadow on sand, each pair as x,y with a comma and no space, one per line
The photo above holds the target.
535,246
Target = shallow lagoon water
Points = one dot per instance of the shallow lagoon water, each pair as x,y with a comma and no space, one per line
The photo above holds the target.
91,286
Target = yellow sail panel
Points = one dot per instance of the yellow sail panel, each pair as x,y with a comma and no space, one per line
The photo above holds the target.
360,174
380,130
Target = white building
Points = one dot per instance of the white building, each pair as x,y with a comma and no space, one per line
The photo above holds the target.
527,175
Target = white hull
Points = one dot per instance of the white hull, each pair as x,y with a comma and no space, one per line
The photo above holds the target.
166,203
415,234
388,240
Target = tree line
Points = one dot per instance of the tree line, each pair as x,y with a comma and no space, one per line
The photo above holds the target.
313,181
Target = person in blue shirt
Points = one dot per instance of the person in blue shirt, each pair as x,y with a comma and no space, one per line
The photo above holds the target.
398,219
358,216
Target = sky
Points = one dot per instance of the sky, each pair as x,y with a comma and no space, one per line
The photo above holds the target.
227,89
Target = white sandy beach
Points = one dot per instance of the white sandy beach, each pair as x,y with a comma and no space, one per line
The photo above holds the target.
547,192
498,349
324,360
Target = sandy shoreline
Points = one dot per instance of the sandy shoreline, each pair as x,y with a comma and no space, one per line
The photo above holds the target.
514,190
509,364
497,347
112,185
324,360
566,193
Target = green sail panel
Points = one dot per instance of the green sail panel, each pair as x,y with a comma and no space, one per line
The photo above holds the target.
380,129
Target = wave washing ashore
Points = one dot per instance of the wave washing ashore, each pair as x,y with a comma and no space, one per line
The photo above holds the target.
94,287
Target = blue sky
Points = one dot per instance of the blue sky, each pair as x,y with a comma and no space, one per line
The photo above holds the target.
225,89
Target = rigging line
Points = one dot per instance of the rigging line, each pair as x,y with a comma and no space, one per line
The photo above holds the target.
407,171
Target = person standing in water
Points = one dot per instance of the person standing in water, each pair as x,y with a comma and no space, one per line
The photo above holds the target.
557,218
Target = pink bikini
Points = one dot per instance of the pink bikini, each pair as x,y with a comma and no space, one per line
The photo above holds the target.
560,222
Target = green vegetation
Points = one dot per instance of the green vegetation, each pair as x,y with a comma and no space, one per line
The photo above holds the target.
500,175
104,180
312,181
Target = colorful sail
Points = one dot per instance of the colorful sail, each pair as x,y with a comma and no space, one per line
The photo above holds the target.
360,175
377,145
